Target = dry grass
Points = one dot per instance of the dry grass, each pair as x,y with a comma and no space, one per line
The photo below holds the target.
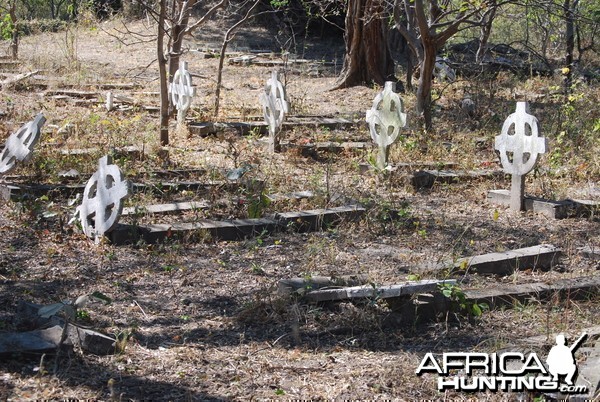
204,320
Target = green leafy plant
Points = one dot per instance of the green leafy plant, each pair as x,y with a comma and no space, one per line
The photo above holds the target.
70,310
459,300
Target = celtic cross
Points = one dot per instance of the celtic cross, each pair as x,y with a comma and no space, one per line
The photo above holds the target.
275,106
385,119
182,91
519,145
102,204
19,146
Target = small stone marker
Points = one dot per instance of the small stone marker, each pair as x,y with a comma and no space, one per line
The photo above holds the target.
102,204
182,91
519,145
275,106
109,101
385,119
382,292
19,146
443,71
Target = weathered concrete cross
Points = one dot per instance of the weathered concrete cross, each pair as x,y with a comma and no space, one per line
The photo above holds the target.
385,119
19,146
275,106
182,91
519,145
102,204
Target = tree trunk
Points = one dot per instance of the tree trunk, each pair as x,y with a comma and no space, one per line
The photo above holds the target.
569,10
368,58
14,38
177,35
484,33
162,69
424,90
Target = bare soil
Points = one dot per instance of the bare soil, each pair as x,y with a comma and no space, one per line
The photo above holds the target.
203,320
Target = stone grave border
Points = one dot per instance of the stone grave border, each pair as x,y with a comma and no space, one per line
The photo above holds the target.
236,229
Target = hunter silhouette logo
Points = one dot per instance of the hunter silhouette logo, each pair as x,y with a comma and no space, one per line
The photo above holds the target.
509,371
560,359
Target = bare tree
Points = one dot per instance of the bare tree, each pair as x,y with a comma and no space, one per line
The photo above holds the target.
173,25
367,58
427,26
10,7
229,35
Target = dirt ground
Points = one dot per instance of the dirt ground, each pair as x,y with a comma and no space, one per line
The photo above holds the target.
203,320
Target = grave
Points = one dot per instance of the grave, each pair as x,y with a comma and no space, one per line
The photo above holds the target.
182,91
385,119
381,292
428,178
275,107
591,252
300,286
410,166
51,334
19,146
176,207
519,145
204,129
235,229
543,257
102,204
17,191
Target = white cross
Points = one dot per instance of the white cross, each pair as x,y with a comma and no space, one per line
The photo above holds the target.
181,89
520,143
275,107
19,146
102,204
385,119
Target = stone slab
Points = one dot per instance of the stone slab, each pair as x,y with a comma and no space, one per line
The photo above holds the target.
118,152
92,341
315,150
536,257
427,178
235,229
589,374
311,283
393,167
549,208
38,341
173,207
507,294
204,129
17,191
383,292
297,195
585,208
72,93
593,253
49,339
315,219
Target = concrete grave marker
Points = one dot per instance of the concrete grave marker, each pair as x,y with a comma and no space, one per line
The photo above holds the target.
443,71
385,119
182,91
275,106
102,204
519,145
19,146
109,101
